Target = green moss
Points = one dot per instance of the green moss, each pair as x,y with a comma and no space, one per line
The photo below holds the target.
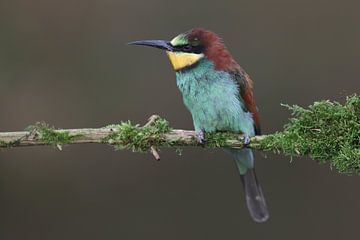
136,138
50,136
326,131
219,139
4,144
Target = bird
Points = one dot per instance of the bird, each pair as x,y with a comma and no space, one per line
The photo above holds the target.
219,95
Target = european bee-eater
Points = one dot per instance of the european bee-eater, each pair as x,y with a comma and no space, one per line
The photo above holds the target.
219,95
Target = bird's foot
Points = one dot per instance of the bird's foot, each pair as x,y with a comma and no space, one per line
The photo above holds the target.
200,137
246,139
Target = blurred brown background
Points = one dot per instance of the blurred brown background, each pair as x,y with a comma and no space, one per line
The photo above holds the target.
67,63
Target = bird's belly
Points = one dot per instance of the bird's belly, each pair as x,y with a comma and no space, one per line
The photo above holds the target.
211,112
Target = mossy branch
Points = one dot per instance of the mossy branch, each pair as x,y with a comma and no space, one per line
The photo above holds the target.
325,131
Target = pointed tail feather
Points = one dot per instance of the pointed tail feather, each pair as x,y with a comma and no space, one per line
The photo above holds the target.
255,199
254,196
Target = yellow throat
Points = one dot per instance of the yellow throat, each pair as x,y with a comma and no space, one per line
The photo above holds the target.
180,60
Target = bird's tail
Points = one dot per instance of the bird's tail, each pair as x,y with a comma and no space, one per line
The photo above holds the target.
255,199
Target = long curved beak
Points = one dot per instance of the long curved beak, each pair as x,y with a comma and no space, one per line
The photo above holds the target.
161,44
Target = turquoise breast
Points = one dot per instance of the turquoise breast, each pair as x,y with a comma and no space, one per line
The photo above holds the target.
213,99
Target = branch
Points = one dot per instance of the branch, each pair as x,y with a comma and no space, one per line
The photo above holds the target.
107,135
325,131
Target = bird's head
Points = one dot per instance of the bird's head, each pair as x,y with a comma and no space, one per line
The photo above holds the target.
187,49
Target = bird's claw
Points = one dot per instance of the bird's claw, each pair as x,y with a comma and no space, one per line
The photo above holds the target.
200,137
246,139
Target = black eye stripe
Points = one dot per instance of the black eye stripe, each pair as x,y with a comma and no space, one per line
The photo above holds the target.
189,48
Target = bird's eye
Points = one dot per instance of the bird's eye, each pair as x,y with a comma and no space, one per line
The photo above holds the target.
187,48
195,42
